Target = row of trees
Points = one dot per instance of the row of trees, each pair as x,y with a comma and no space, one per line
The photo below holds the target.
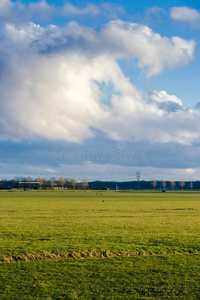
64,183
172,184
71,183
41,183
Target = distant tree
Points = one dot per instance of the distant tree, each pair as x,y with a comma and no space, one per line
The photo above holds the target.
191,185
17,180
13,183
41,182
163,184
182,183
173,184
52,182
62,182
154,183
73,183
84,183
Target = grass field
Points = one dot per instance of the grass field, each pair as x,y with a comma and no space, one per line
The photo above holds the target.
99,245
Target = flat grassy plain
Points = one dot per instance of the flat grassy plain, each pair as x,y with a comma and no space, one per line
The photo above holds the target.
99,245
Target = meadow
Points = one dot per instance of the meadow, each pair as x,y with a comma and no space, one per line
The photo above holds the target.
99,245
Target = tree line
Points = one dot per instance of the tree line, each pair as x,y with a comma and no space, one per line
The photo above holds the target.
172,183
147,185
45,184
71,183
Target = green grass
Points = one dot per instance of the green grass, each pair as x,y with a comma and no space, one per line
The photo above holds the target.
120,226
153,277
36,223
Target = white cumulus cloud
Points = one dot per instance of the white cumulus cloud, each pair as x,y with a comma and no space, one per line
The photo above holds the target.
153,52
51,81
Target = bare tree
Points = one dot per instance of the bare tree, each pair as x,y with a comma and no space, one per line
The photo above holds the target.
73,183
191,185
182,183
163,184
41,182
154,183
84,183
173,184
52,182
62,182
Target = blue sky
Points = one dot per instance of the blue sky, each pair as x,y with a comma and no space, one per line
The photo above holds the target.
100,89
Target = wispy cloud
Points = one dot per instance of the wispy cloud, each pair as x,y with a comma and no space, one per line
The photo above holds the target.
16,11
109,10
95,171
154,15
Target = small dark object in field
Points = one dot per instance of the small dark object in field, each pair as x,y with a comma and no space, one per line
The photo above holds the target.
163,191
102,200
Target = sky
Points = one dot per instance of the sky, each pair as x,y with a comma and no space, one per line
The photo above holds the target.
100,89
